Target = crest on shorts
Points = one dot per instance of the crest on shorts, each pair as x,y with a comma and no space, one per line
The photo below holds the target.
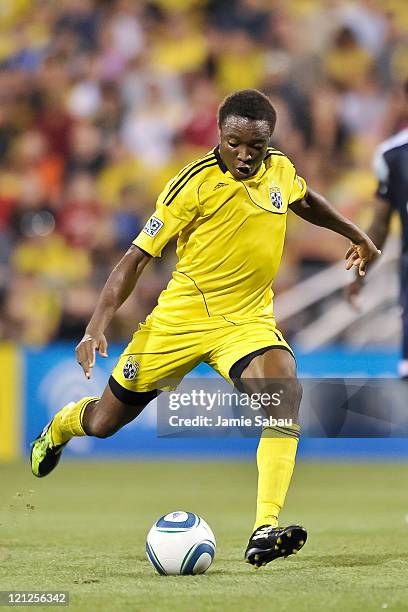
276,197
131,368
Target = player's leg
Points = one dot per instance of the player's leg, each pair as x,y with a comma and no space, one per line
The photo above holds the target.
154,359
90,416
257,359
98,416
273,373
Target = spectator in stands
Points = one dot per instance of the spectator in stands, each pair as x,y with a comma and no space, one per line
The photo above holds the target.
101,102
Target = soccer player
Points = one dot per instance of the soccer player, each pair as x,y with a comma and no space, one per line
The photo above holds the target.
229,211
391,168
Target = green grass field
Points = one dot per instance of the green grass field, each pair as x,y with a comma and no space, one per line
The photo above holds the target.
83,530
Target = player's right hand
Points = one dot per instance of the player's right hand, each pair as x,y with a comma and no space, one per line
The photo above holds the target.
86,349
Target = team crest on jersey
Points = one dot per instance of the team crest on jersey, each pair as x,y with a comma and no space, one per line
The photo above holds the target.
153,226
131,368
276,197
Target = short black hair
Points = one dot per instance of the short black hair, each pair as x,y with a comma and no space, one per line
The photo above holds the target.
249,103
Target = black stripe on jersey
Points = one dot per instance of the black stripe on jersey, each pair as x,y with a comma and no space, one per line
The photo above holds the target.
198,289
188,171
184,171
190,176
219,160
273,152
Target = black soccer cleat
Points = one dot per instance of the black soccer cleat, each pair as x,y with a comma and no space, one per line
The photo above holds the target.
44,455
268,543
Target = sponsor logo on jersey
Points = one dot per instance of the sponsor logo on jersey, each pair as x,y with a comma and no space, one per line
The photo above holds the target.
276,197
153,226
131,368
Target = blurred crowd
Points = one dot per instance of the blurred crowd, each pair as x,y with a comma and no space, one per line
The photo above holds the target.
101,102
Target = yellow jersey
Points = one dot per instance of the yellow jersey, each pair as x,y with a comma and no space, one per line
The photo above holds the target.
230,238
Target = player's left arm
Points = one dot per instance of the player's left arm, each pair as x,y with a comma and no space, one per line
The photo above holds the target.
314,208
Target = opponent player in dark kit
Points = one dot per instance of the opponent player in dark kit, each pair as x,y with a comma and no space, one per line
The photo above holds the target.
229,211
391,169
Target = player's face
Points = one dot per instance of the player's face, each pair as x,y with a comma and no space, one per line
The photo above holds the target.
243,144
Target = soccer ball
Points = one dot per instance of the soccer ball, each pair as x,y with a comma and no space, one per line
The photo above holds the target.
180,543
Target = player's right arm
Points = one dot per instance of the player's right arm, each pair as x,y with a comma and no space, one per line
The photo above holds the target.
175,208
117,289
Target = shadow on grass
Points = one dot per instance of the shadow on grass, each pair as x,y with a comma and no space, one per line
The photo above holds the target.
354,560
317,562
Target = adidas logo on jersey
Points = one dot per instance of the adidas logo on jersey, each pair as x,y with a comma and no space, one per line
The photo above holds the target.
219,185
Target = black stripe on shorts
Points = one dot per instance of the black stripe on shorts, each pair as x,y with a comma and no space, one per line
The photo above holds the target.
132,398
240,365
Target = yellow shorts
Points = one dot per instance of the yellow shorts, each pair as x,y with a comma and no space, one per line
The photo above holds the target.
158,357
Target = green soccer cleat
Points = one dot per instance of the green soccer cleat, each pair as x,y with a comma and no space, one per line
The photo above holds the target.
44,455
268,543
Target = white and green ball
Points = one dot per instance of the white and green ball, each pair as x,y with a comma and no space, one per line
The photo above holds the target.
180,543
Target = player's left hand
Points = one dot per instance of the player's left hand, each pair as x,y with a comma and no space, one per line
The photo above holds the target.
360,255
